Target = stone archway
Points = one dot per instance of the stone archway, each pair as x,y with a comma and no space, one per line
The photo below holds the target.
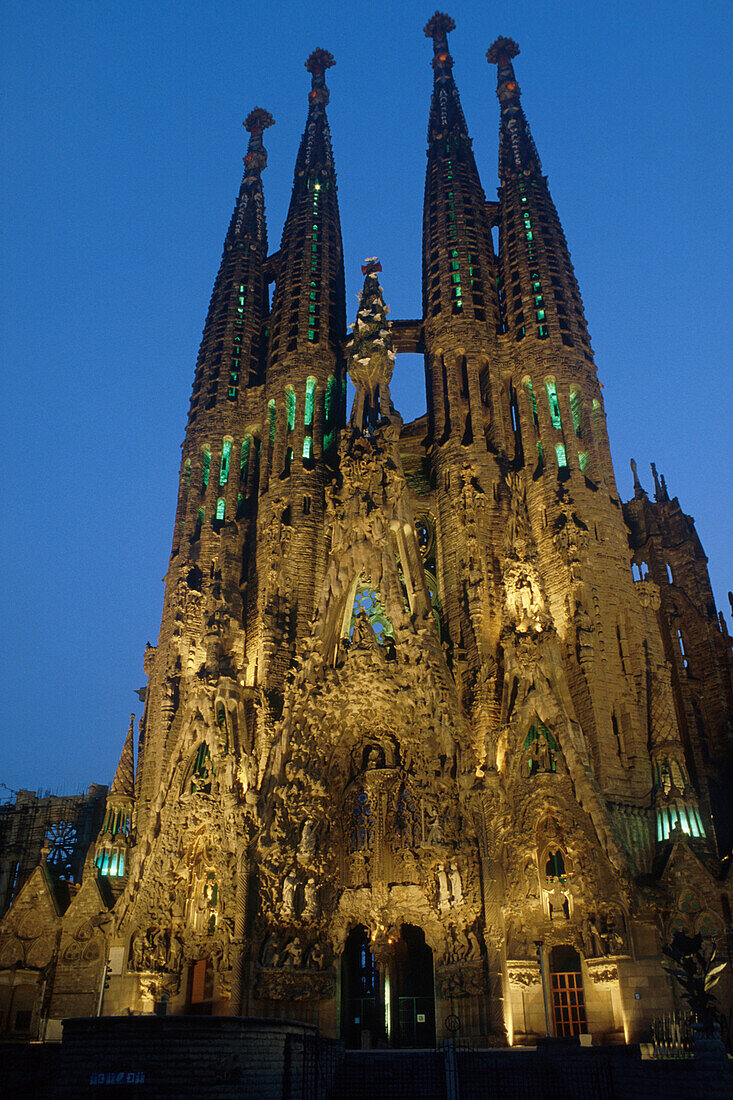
388,993
362,1003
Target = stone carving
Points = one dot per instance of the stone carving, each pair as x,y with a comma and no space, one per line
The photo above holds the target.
524,600
288,899
443,889
310,912
455,885
602,971
523,972
307,844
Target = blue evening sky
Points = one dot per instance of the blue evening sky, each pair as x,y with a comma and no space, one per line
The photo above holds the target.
123,141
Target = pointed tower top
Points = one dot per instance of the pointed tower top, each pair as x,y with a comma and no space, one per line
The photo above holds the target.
256,122
317,63
517,150
502,51
315,147
123,784
446,113
438,28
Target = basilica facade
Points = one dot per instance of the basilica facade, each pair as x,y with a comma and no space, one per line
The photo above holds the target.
437,729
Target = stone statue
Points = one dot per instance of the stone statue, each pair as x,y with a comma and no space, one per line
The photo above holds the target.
443,889
311,899
317,956
137,952
435,833
455,882
292,954
307,839
288,907
270,956
160,949
174,953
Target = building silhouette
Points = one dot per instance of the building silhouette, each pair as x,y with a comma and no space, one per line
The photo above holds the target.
435,721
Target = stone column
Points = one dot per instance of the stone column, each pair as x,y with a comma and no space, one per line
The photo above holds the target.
492,878
239,943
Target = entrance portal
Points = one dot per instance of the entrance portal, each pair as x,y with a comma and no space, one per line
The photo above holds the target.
393,1003
568,1000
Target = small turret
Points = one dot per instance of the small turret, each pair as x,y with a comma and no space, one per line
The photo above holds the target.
116,835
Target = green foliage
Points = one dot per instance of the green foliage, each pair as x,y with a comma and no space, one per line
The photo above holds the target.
696,971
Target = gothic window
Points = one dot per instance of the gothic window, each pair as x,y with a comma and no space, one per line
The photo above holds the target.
271,421
61,840
220,510
200,771
369,601
329,412
555,866
290,408
362,823
540,751
111,862
205,467
554,403
226,453
576,408
244,460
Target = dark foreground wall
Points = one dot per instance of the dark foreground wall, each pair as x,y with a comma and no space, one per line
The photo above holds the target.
149,1057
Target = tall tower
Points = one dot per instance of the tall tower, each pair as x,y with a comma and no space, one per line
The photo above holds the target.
417,743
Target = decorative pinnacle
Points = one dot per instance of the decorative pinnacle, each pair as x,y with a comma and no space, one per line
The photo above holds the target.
258,120
370,266
319,61
502,51
439,25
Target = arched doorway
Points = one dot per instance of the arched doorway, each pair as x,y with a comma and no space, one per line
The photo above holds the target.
362,1007
415,990
568,999
390,1002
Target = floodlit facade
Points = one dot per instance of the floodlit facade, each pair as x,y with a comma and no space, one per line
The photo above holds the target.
436,728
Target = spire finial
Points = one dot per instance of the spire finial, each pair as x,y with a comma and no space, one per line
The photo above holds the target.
438,27
258,120
255,123
317,63
639,490
502,51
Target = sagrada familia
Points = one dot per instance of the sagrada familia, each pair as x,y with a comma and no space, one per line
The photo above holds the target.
437,731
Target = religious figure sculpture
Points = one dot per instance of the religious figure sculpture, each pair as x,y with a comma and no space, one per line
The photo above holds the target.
289,885
311,899
455,882
443,889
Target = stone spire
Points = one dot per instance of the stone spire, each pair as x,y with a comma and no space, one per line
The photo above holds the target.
231,354
248,223
639,490
123,784
460,303
446,113
308,307
517,150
